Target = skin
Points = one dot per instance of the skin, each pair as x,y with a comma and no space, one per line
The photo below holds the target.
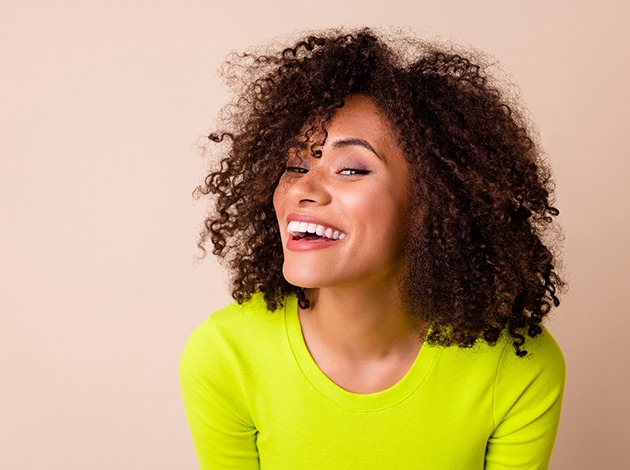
356,329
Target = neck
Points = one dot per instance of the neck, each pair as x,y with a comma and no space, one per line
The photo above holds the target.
360,323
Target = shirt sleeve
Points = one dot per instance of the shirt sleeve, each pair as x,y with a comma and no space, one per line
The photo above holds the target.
223,433
527,402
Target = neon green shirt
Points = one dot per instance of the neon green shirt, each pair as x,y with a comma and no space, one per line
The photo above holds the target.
254,398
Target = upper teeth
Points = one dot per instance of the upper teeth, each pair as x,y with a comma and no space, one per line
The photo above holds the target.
295,227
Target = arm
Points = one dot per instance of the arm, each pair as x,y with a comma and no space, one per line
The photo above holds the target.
223,433
527,402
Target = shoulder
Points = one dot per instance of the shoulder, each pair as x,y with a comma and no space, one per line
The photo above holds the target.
535,381
544,357
236,312
518,388
226,333
498,368
542,353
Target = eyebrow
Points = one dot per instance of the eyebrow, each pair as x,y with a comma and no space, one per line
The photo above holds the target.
350,142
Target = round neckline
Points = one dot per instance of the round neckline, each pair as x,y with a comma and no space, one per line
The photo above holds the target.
341,397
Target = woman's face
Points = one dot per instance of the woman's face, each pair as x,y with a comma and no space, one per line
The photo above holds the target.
344,217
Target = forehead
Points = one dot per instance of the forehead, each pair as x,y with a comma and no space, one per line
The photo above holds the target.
360,118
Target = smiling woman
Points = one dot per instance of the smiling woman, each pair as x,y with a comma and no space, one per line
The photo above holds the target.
380,205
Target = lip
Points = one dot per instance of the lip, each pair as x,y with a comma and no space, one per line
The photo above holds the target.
309,245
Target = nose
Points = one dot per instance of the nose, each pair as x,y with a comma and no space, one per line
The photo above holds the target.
311,188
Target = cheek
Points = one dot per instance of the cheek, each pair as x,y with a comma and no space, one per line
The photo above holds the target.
382,216
372,207
278,197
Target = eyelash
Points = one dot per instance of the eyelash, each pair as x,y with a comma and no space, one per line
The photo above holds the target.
295,169
343,171
354,171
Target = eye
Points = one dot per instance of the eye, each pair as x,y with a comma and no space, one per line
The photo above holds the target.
353,171
295,169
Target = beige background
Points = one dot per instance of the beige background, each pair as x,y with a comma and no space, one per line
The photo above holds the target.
101,107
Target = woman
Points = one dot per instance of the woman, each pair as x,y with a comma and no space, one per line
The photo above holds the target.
380,206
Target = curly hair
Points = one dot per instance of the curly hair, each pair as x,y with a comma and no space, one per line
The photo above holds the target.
478,264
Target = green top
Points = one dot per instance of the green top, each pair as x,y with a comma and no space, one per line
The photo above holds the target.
255,398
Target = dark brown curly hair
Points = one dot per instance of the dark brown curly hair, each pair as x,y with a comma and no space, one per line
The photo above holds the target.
477,262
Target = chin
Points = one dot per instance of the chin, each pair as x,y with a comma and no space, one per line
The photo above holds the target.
308,277
302,279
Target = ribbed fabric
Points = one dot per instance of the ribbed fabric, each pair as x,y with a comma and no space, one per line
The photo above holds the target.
254,398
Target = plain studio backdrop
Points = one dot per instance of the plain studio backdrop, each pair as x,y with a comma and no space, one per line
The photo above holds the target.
102,104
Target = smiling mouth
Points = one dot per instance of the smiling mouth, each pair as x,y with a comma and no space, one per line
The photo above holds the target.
313,232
